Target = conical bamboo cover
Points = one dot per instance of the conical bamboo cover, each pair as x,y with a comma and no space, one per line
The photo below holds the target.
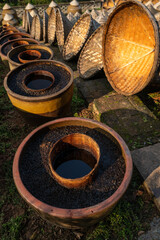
38,28
33,27
150,6
52,26
63,27
45,27
90,59
130,47
81,30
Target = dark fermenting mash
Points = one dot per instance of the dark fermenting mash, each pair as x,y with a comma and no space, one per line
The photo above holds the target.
38,180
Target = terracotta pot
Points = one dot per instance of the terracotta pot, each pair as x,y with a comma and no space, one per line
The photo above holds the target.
73,218
19,43
46,106
5,38
7,46
13,54
75,144
5,32
29,55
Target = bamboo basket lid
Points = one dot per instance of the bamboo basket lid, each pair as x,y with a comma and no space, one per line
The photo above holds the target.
6,6
23,19
70,17
8,17
130,47
151,8
94,14
157,6
90,59
109,4
33,13
63,27
45,27
29,6
38,28
33,27
52,26
28,22
78,35
77,16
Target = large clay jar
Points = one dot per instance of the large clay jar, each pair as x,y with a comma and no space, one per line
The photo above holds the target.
41,104
70,208
74,7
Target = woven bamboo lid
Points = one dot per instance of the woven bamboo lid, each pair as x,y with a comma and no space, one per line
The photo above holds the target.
23,19
45,27
63,27
70,17
81,30
8,17
33,27
52,26
150,6
6,6
29,6
28,22
90,59
130,47
38,28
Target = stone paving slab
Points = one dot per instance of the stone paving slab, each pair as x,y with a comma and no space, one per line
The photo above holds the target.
133,121
154,232
126,115
147,161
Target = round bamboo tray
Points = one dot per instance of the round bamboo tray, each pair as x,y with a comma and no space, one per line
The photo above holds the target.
33,27
81,30
45,27
46,54
130,47
38,28
52,26
90,59
67,217
63,27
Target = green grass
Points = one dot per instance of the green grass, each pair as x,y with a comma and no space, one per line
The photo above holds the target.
126,219
11,229
77,102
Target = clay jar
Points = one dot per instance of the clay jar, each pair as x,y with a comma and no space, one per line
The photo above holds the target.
67,217
75,147
29,55
19,43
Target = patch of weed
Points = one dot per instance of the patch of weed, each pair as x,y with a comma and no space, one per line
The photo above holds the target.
77,102
11,229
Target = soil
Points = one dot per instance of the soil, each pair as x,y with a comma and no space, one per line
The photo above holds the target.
62,78
38,180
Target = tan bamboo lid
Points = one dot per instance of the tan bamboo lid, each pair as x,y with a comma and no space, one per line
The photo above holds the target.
130,47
